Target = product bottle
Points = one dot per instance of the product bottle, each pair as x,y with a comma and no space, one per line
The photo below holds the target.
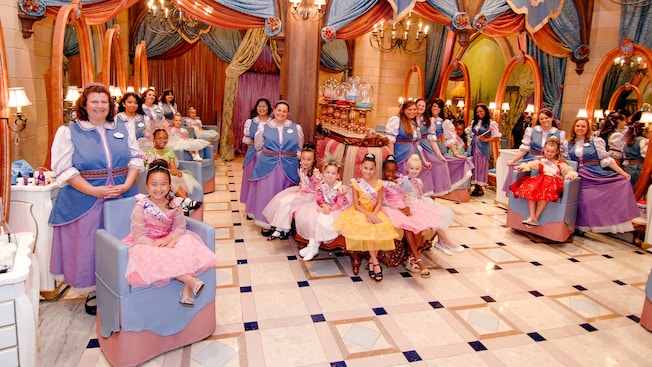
19,179
41,178
30,180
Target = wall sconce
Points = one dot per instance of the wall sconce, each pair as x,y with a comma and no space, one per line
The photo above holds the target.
504,112
17,100
529,109
400,102
72,95
115,92
581,113
492,106
131,89
646,118
302,9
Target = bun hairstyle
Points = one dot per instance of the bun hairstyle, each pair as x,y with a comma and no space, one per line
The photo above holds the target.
389,160
330,160
415,160
369,157
310,147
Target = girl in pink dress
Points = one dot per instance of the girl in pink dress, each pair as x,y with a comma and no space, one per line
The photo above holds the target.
280,210
160,247
548,185
412,220
417,202
180,140
315,220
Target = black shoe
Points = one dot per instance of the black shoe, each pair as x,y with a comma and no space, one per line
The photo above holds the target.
90,309
186,211
266,232
477,192
250,217
194,205
278,234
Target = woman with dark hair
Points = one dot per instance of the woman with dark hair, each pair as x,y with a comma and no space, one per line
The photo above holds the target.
613,132
130,112
606,200
534,139
484,131
635,150
259,114
95,159
168,105
278,142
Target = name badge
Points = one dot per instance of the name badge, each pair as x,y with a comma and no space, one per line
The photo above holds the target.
141,124
118,135
289,131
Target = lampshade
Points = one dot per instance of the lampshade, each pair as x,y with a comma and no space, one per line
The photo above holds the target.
319,3
18,98
460,104
492,105
505,106
529,108
72,95
448,102
646,117
582,113
597,114
130,89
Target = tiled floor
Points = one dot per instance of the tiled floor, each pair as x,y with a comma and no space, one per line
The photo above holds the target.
506,301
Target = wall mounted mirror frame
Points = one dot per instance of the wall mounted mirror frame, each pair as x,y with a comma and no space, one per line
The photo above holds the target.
67,15
595,90
5,141
504,79
408,82
113,60
444,79
140,67
628,88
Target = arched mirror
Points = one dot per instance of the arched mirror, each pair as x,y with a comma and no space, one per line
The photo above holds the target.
113,65
55,76
520,85
455,90
413,86
140,67
5,143
622,82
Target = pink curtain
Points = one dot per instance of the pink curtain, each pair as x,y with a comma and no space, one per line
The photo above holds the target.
252,86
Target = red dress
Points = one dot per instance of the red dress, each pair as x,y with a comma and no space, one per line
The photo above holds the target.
540,187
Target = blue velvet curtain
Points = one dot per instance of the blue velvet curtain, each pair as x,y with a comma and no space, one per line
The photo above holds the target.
335,55
492,9
635,23
447,7
342,12
435,50
70,42
222,42
157,43
258,8
567,27
401,7
553,73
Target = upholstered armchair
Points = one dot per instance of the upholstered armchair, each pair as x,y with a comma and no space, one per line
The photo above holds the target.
207,166
137,324
557,222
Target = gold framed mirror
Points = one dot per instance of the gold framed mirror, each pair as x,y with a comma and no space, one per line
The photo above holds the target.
113,65
465,96
140,67
413,86
68,15
5,143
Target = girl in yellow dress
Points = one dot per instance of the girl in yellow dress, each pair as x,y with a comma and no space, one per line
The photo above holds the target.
364,225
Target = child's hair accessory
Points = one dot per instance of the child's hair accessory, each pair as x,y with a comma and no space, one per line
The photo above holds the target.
331,160
390,158
370,156
158,164
309,146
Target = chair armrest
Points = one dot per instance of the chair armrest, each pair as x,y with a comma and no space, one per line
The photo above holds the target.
571,191
111,257
193,167
207,153
206,232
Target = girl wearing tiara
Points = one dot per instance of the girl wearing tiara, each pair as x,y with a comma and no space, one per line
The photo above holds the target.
548,185
363,225
280,209
315,220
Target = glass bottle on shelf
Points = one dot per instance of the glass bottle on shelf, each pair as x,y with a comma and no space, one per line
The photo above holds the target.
366,96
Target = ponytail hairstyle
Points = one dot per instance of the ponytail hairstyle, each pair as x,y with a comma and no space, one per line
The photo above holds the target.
310,147
161,165
635,130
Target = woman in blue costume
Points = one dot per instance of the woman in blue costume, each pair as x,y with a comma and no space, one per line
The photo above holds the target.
260,113
533,141
447,173
484,131
130,112
278,144
153,110
606,201
95,159
404,135
168,105
635,150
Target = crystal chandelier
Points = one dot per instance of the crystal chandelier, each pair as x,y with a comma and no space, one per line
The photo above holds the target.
164,17
403,36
